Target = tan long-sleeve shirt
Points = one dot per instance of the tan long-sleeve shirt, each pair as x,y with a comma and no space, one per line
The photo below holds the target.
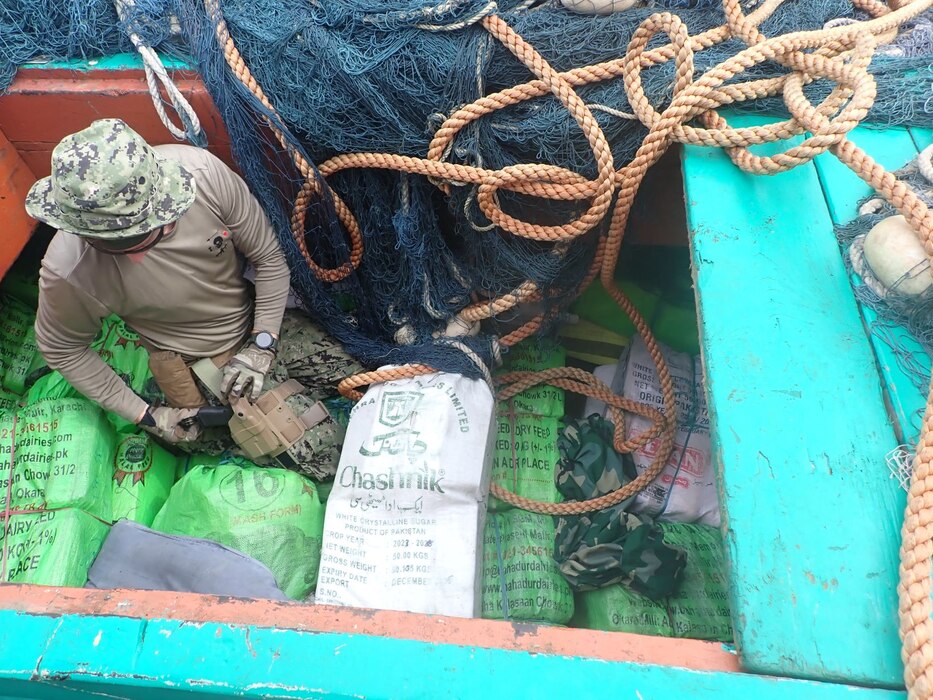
187,294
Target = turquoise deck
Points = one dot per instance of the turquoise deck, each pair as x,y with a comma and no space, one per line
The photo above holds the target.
78,658
801,430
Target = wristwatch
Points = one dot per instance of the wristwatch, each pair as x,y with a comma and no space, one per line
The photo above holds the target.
264,340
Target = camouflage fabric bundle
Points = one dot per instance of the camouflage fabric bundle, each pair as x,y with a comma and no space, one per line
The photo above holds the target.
698,610
608,546
521,580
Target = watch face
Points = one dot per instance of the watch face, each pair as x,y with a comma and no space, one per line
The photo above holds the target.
264,340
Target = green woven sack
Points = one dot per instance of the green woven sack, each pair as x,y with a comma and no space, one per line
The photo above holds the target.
63,454
698,610
521,580
188,462
525,458
62,451
533,355
143,474
8,400
55,548
273,515
119,348
19,354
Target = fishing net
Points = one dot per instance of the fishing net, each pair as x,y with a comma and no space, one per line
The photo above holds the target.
895,312
360,76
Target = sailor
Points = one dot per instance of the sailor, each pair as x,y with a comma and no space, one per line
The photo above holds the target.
156,235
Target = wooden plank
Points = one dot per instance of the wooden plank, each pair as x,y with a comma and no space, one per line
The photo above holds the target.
162,659
44,105
799,425
435,629
922,137
893,345
15,224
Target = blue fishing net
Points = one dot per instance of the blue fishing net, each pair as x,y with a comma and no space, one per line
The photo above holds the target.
900,321
381,76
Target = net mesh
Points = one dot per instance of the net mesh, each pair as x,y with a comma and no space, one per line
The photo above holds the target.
380,76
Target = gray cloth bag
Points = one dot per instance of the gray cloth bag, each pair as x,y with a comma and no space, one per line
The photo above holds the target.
134,556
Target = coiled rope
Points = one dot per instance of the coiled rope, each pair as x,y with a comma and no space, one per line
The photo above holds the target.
838,53
156,74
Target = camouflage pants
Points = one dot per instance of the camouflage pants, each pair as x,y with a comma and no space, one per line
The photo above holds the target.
316,360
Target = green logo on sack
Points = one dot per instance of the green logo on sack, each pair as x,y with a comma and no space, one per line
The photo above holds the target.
252,489
134,456
397,406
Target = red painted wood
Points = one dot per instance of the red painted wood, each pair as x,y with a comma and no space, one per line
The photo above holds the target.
15,225
41,107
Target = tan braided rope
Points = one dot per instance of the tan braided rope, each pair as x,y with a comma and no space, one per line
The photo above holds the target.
840,54
581,382
310,188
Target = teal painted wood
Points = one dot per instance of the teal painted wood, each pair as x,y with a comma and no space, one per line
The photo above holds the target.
892,148
119,61
800,428
166,660
922,137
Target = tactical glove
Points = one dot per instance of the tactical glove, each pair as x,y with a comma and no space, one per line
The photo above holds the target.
245,373
164,422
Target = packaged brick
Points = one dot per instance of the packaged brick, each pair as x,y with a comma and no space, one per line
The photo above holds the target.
143,474
686,489
272,515
521,580
404,521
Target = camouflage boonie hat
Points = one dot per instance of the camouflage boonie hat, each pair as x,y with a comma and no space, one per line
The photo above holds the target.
107,182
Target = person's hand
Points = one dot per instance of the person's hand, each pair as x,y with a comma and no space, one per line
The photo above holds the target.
245,373
164,422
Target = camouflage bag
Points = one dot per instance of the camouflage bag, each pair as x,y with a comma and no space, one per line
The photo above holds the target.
609,546
698,610
316,360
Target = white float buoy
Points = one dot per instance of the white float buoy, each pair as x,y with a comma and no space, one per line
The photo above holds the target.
458,328
897,258
598,7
